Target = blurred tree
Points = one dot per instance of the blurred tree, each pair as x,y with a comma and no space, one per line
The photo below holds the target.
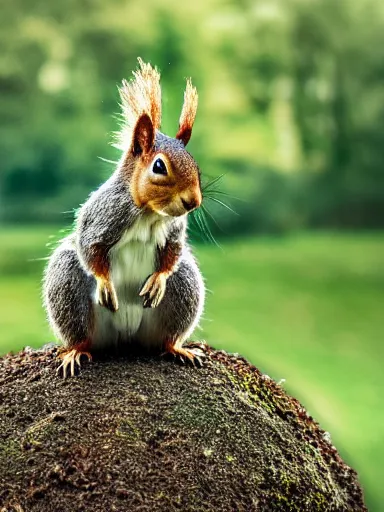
291,102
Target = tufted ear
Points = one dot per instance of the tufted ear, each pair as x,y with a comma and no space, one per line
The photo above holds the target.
188,113
143,136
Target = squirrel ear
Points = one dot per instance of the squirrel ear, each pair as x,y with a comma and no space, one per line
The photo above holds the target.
184,134
188,113
143,135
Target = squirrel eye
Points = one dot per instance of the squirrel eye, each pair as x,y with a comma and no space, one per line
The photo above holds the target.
159,167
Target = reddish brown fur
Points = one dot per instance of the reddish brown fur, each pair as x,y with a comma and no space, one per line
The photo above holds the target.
143,95
143,136
168,257
182,177
83,347
141,103
99,264
138,96
188,113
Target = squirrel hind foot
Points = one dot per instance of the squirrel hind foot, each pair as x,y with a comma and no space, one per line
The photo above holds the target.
190,354
71,360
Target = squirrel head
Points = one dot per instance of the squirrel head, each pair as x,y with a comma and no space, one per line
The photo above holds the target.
162,175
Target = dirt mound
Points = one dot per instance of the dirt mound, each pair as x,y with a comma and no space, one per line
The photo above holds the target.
149,434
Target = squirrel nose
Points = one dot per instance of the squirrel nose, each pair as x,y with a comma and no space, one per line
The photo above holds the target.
190,203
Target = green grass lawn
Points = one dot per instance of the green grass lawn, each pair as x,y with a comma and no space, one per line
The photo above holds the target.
306,308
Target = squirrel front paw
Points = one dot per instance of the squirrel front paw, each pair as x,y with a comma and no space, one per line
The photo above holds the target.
106,295
153,290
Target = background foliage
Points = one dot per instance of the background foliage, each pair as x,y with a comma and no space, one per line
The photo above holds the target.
291,102
291,110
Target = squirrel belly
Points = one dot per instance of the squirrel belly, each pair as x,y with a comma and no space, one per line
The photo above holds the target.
71,302
132,261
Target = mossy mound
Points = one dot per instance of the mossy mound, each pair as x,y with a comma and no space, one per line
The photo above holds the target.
150,434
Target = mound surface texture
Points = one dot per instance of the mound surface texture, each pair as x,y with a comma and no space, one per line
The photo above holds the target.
150,434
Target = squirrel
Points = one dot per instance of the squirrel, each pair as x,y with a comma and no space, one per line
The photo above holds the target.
126,275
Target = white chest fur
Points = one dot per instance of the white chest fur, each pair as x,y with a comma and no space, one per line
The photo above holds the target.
134,255
132,260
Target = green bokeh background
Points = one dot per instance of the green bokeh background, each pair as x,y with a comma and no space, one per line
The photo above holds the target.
291,111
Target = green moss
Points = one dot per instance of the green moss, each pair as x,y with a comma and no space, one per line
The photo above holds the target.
128,431
251,391
10,448
281,502
318,500
40,431
196,414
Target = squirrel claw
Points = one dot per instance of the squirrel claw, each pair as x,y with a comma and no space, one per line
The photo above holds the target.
153,290
106,296
71,361
191,354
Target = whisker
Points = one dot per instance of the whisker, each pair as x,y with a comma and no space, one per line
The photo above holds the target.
212,217
210,184
222,204
202,225
208,229
114,162
194,228
197,221
222,193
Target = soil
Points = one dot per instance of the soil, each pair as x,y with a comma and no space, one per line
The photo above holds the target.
151,434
